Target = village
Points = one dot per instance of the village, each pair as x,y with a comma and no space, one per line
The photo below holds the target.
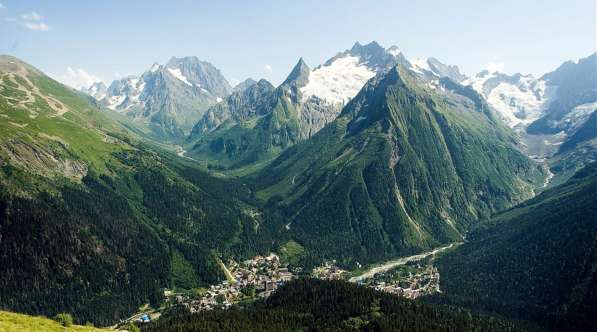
411,280
255,278
259,277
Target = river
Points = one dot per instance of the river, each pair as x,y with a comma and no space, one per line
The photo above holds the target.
399,261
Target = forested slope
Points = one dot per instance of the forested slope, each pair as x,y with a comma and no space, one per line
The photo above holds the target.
536,261
95,223
404,168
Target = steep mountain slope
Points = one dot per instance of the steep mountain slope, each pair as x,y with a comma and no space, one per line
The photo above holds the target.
536,261
432,68
403,168
248,101
92,221
169,99
317,305
575,84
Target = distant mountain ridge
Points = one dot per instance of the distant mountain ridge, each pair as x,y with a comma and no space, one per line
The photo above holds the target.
169,99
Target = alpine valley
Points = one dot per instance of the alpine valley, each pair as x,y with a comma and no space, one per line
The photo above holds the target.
442,202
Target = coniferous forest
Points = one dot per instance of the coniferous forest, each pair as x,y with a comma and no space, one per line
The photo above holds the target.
317,305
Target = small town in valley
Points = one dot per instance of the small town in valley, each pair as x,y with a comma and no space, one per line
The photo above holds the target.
246,281
258,277
410,280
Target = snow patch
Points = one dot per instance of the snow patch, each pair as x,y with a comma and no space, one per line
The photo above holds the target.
394,50
420,65
178,74
478,82
115,101
519,104
337,82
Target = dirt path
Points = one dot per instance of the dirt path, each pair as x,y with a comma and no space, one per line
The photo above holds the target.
54,103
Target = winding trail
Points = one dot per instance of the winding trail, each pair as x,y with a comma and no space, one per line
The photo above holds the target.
400,261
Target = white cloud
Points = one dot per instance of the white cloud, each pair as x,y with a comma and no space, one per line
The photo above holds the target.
77,78
493,67
41,26
33,16
2,6
268,69
32,21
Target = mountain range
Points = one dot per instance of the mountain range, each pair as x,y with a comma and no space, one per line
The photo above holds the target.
296,110
110,196
230,129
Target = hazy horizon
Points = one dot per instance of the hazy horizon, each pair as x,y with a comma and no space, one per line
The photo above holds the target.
78,42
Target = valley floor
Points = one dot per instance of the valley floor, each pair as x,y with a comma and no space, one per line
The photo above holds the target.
400,261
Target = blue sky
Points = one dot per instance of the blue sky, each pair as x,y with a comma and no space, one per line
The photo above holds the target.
70,39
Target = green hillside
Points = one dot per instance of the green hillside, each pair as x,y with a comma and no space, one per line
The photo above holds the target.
536,261
402,169
96,223
10,321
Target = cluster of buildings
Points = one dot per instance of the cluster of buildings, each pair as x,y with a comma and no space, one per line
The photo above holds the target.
260,276
329,271
254,278
424,281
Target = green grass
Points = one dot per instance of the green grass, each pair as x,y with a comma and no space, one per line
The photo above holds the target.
13,322
291,252
182,273
83,129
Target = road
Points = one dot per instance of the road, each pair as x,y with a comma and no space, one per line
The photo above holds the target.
400,261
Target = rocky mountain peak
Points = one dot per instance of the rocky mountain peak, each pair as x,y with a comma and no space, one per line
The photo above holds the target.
244,85
299,74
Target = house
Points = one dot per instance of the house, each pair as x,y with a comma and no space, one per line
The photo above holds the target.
270,286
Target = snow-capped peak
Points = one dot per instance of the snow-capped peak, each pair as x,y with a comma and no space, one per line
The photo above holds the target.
519,99
338,81
340,78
